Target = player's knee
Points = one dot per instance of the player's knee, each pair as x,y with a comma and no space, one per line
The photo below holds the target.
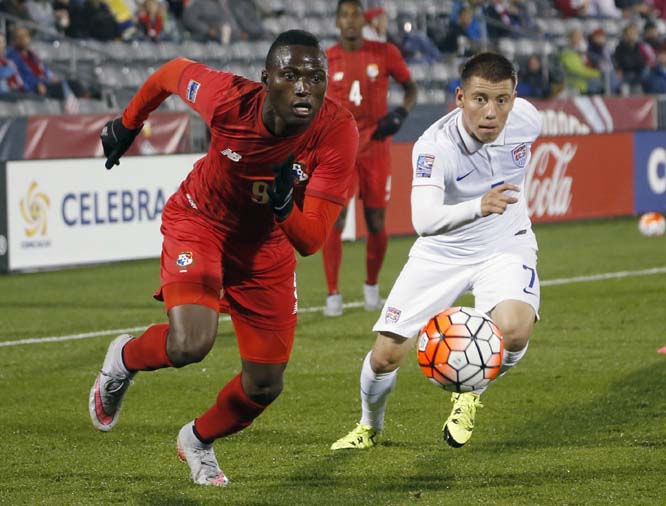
264,392
189,348
516,335
383,361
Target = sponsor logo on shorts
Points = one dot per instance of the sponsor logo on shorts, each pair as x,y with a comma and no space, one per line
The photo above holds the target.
424,165
192,90
392,315
519,155
185,259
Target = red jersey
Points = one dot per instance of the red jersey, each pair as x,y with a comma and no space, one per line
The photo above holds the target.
359,80
229,185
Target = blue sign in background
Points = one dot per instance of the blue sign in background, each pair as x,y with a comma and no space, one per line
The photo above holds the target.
649,171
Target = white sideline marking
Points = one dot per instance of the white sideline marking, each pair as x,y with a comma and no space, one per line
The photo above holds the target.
549,282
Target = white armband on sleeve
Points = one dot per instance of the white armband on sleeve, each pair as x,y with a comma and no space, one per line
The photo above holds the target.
430,216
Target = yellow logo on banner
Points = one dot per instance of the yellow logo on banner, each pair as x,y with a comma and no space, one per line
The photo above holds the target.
34,209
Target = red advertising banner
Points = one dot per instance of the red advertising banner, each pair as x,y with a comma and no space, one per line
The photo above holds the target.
77,136
596,114
578,177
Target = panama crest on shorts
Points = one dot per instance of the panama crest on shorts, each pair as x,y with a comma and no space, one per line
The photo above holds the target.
184,259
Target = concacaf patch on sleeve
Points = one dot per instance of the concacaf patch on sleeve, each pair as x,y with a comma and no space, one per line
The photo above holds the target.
424,165
192,90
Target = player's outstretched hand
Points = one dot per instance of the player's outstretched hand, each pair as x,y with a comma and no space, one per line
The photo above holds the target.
116,139
390,124
281,192
496,200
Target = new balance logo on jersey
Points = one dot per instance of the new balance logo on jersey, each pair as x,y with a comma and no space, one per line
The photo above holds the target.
298,172
231,155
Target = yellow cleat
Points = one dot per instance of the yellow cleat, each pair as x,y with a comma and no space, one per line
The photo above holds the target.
460,424
362,437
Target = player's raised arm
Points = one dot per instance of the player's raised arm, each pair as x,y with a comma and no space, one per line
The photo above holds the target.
119,134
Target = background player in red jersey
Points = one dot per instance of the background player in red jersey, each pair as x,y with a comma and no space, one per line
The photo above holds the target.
233,226
359,73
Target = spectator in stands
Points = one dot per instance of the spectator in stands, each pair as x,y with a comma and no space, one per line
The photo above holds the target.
658,8
532,80
579,76
151,19
248,16
210,20
92,20
415,45
655,82
599,57
124,16
571,8
506,18
11,84
602,9
476,27
36,75
651,40
457,38
61,15
376,27
16,8
41,12
629,59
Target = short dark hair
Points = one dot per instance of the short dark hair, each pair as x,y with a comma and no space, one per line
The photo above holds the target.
292,38
358,3
493,67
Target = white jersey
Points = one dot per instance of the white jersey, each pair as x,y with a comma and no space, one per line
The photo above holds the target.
446,156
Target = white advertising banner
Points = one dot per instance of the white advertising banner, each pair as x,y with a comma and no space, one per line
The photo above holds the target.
70,212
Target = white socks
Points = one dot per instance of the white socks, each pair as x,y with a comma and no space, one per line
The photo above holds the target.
510,359
375,389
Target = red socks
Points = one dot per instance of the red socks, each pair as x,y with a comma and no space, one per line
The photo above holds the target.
375,252
332,255
148,351
232,412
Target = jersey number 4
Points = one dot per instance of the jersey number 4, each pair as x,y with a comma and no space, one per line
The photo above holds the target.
355,96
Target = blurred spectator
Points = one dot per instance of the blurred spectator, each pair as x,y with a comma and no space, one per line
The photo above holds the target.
11,84
602,9
210,20
124,16
92,20
248,15
376,27
532,80
457,36
415,45
16,8
655,82
632,8
579,76
629,59
571,8
499,19
61,15
658,8
41,12
476,27
151,19
651,40
36,75
598,55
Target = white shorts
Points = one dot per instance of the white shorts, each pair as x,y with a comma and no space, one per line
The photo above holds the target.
424,288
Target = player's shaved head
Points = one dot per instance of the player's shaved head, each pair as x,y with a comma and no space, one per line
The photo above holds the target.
291,38
357,3
492,67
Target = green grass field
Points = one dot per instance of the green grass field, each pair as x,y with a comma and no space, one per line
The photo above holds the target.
581,420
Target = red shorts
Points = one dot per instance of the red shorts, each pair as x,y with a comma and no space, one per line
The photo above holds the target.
373,172
199,266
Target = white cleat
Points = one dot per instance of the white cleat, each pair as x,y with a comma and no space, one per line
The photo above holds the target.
110,386
373,302
200,457
333,305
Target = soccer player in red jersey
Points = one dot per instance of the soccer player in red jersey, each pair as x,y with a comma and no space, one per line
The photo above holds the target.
359,73
275,178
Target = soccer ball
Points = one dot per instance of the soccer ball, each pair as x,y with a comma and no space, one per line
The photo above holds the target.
460,349
652,224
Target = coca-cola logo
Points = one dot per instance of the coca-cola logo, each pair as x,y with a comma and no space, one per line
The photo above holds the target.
547,187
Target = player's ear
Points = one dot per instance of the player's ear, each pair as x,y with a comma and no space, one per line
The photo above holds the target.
459,96
264,78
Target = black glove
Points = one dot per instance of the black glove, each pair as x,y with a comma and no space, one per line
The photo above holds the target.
281,192
390,124
116,139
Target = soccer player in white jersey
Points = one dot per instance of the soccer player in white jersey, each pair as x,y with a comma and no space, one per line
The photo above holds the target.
475,235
